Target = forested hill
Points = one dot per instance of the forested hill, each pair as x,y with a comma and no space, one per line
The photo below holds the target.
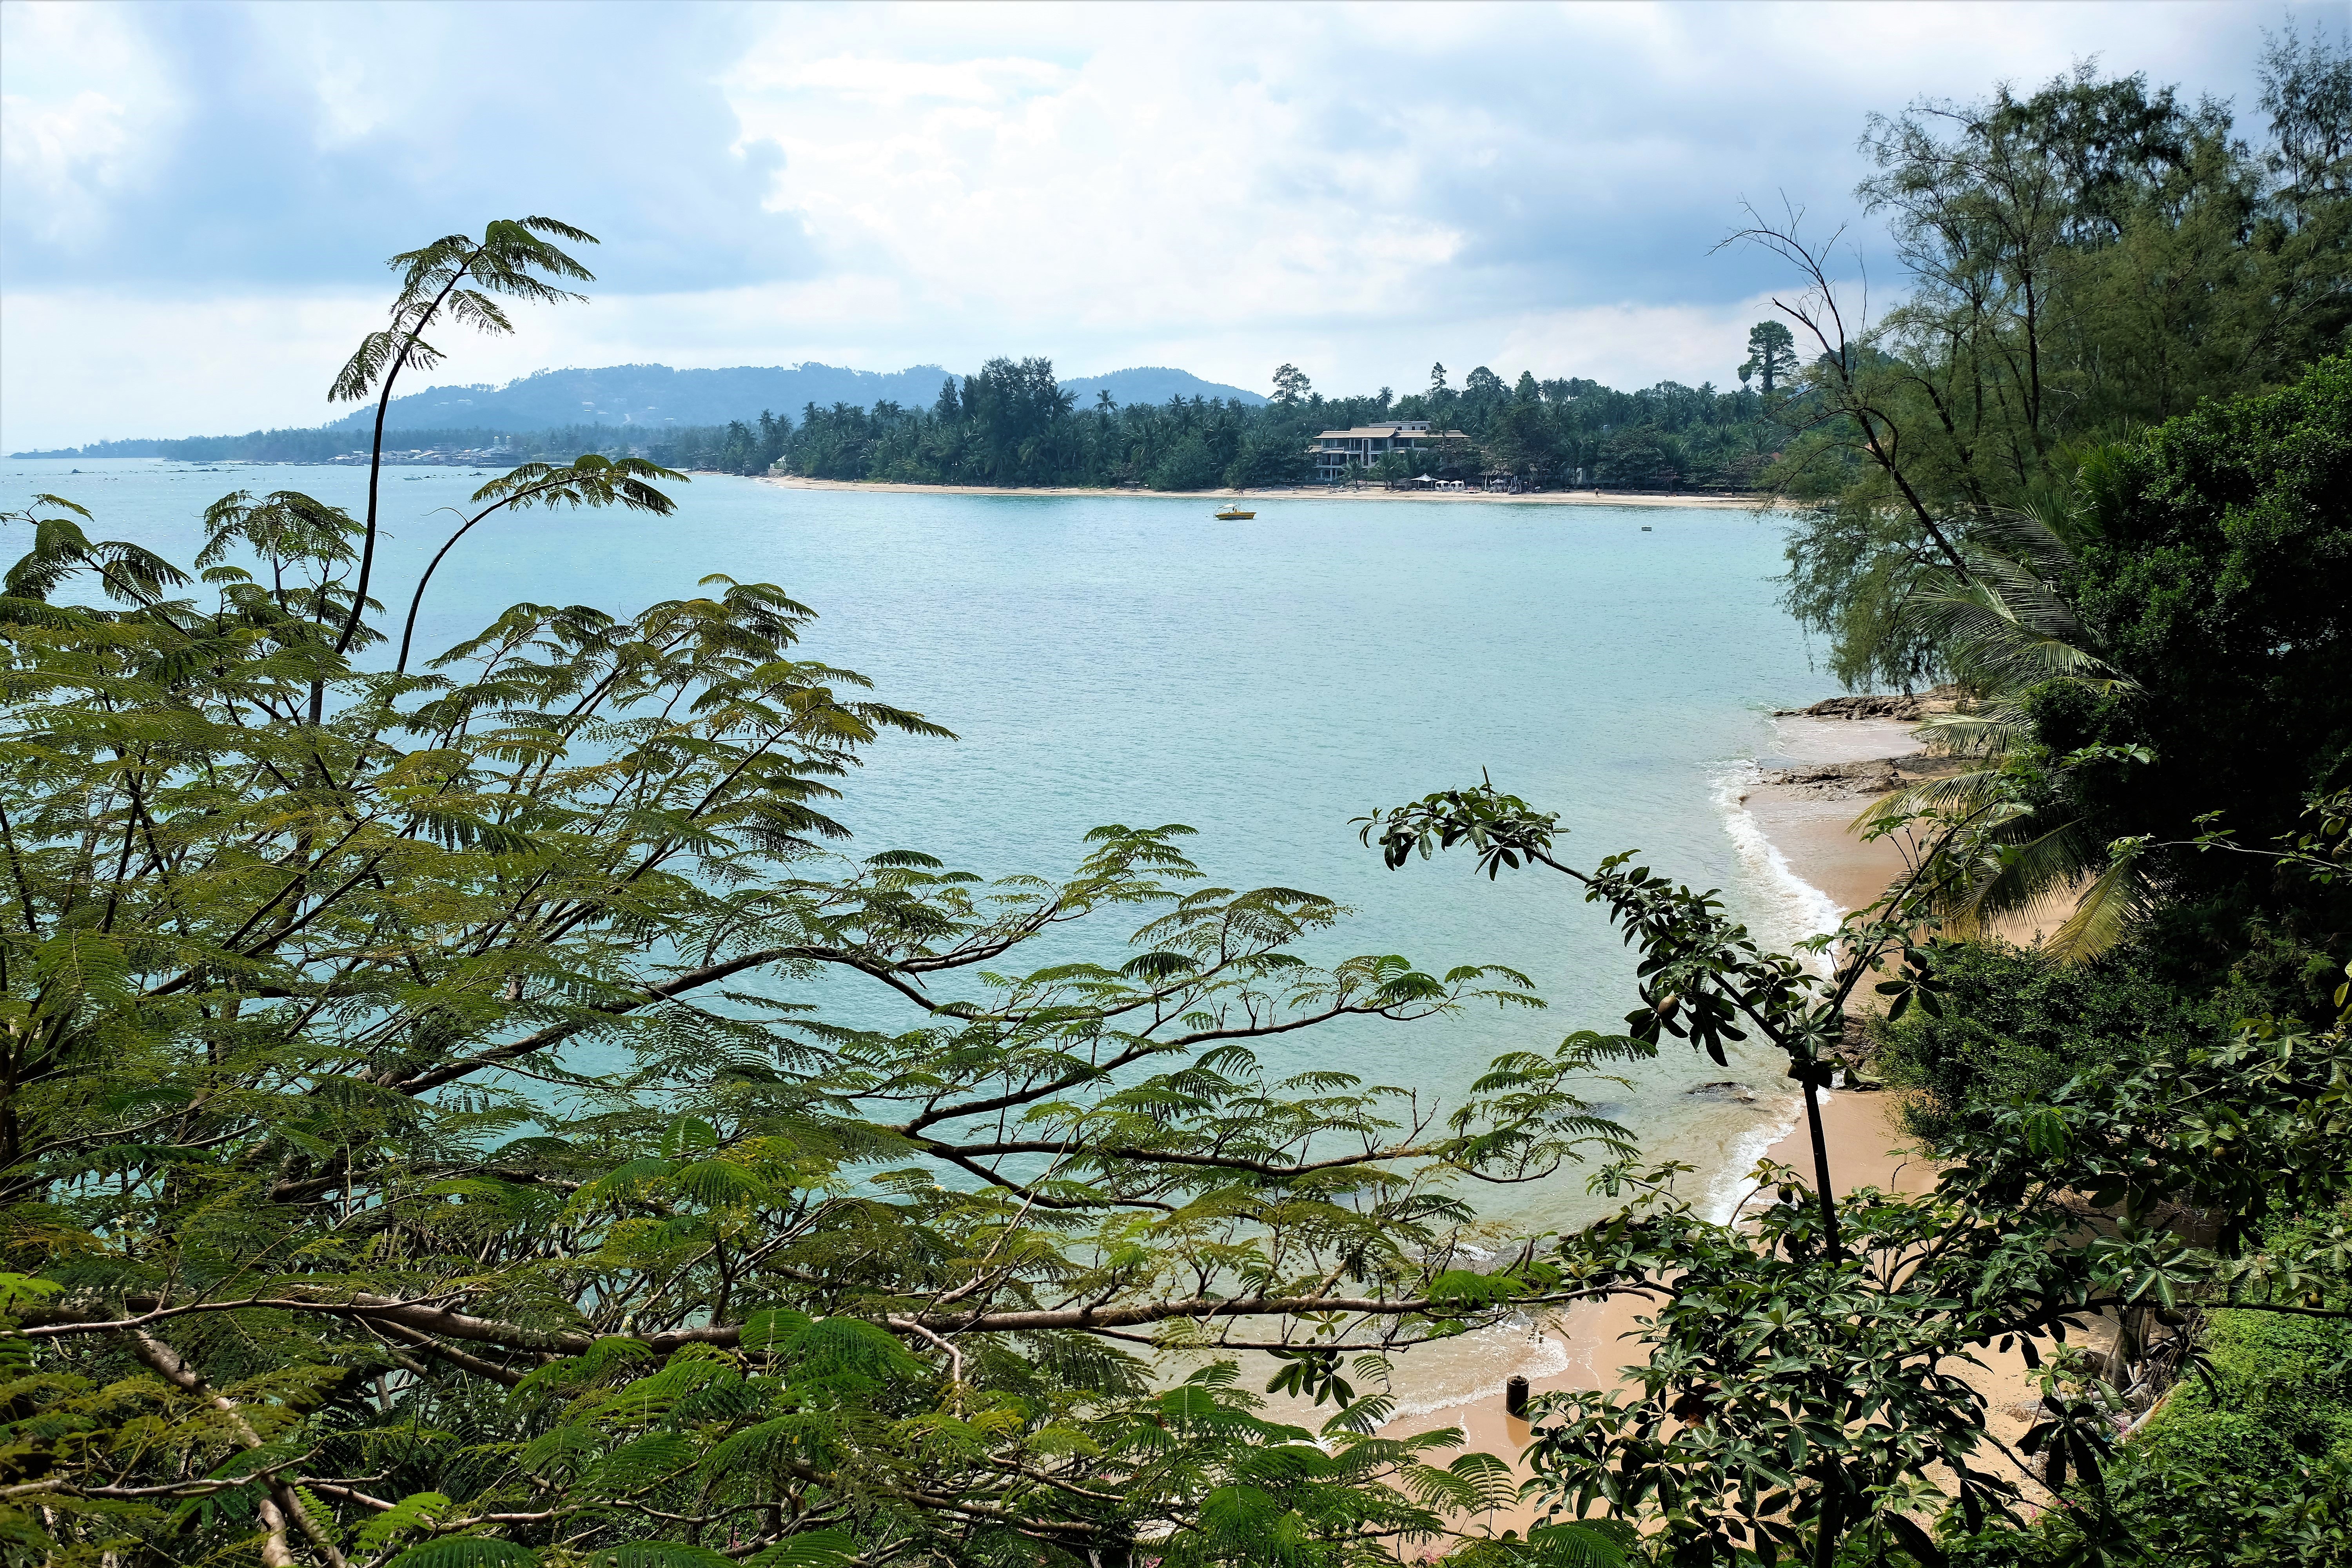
650,394
1014,424
1154,383
656,395
653,396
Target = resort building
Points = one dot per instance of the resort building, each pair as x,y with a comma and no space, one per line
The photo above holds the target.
1337,451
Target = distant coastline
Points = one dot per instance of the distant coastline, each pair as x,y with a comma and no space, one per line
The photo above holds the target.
1304,492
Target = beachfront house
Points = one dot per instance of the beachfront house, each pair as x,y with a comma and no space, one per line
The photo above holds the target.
1338,453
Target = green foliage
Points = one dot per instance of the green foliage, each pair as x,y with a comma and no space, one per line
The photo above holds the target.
1010,425
2084,262
2158,676
2017,1025
1799,1379
1771,355
2218,576
467,1552
589,479
2289,1377
417,1129
1190,465
1581,1543
1798,1388
2248,1468
421,1147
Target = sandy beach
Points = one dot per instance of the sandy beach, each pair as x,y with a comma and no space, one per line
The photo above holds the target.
1828,768
1313,493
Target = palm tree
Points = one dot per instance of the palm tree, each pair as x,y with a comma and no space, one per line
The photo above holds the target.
2005,630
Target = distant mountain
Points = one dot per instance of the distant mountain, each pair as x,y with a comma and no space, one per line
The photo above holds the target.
1154,383
636,395
655,395
652,395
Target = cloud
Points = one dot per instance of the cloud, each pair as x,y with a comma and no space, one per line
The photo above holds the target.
68,146
299,145
1357,189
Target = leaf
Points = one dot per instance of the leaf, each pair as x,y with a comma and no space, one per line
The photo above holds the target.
1311,1374
688,1133
713,1182
1575,1546
640,1463
415,1511
658,1554
466,1551
1915,1541
1489,1479
774,1329
76,966
1466,1288
818,1549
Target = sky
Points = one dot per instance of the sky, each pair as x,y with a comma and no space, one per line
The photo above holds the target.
196,200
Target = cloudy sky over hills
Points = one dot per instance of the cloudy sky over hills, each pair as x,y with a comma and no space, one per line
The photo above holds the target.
195,200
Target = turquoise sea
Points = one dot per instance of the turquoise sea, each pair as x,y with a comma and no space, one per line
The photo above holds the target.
1129,658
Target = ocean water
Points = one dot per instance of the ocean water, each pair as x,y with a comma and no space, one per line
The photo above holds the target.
1128,659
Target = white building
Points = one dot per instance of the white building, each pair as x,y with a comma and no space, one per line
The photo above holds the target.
1337,451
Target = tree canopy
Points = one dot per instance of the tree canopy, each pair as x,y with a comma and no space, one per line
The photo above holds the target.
2083,262
473,1109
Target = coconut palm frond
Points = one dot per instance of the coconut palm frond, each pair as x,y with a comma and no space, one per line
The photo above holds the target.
2003,628
2034,536
1990,645
2119,898
1989,730
2035,875
2023,596
1953,797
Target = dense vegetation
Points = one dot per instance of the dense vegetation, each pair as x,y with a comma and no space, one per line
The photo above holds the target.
1009,425
2083,262
420,1150
2209,564
1013,425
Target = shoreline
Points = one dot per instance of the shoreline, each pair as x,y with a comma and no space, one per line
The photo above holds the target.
1828,766
1544,498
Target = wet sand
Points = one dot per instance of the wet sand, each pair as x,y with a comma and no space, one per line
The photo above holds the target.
1313,493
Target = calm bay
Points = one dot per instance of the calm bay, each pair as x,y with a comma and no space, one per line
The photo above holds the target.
1128,659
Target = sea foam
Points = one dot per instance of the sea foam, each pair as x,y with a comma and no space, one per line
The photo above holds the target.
1792,910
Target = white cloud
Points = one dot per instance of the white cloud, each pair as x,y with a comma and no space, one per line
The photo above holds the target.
1632,345
1360,189
83,366
71,132
891,82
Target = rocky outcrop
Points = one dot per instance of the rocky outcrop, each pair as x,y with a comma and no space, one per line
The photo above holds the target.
1856,1054
1902,705
1862,780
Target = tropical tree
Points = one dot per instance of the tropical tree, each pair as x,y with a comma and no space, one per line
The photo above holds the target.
2008,634
1800,1386
588,481
2083,262
1771,355
459,280
2163,653
434,1132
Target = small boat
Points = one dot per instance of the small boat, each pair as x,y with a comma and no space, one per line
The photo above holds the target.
1235,514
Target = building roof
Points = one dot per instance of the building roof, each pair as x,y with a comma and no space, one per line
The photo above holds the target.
1403,428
